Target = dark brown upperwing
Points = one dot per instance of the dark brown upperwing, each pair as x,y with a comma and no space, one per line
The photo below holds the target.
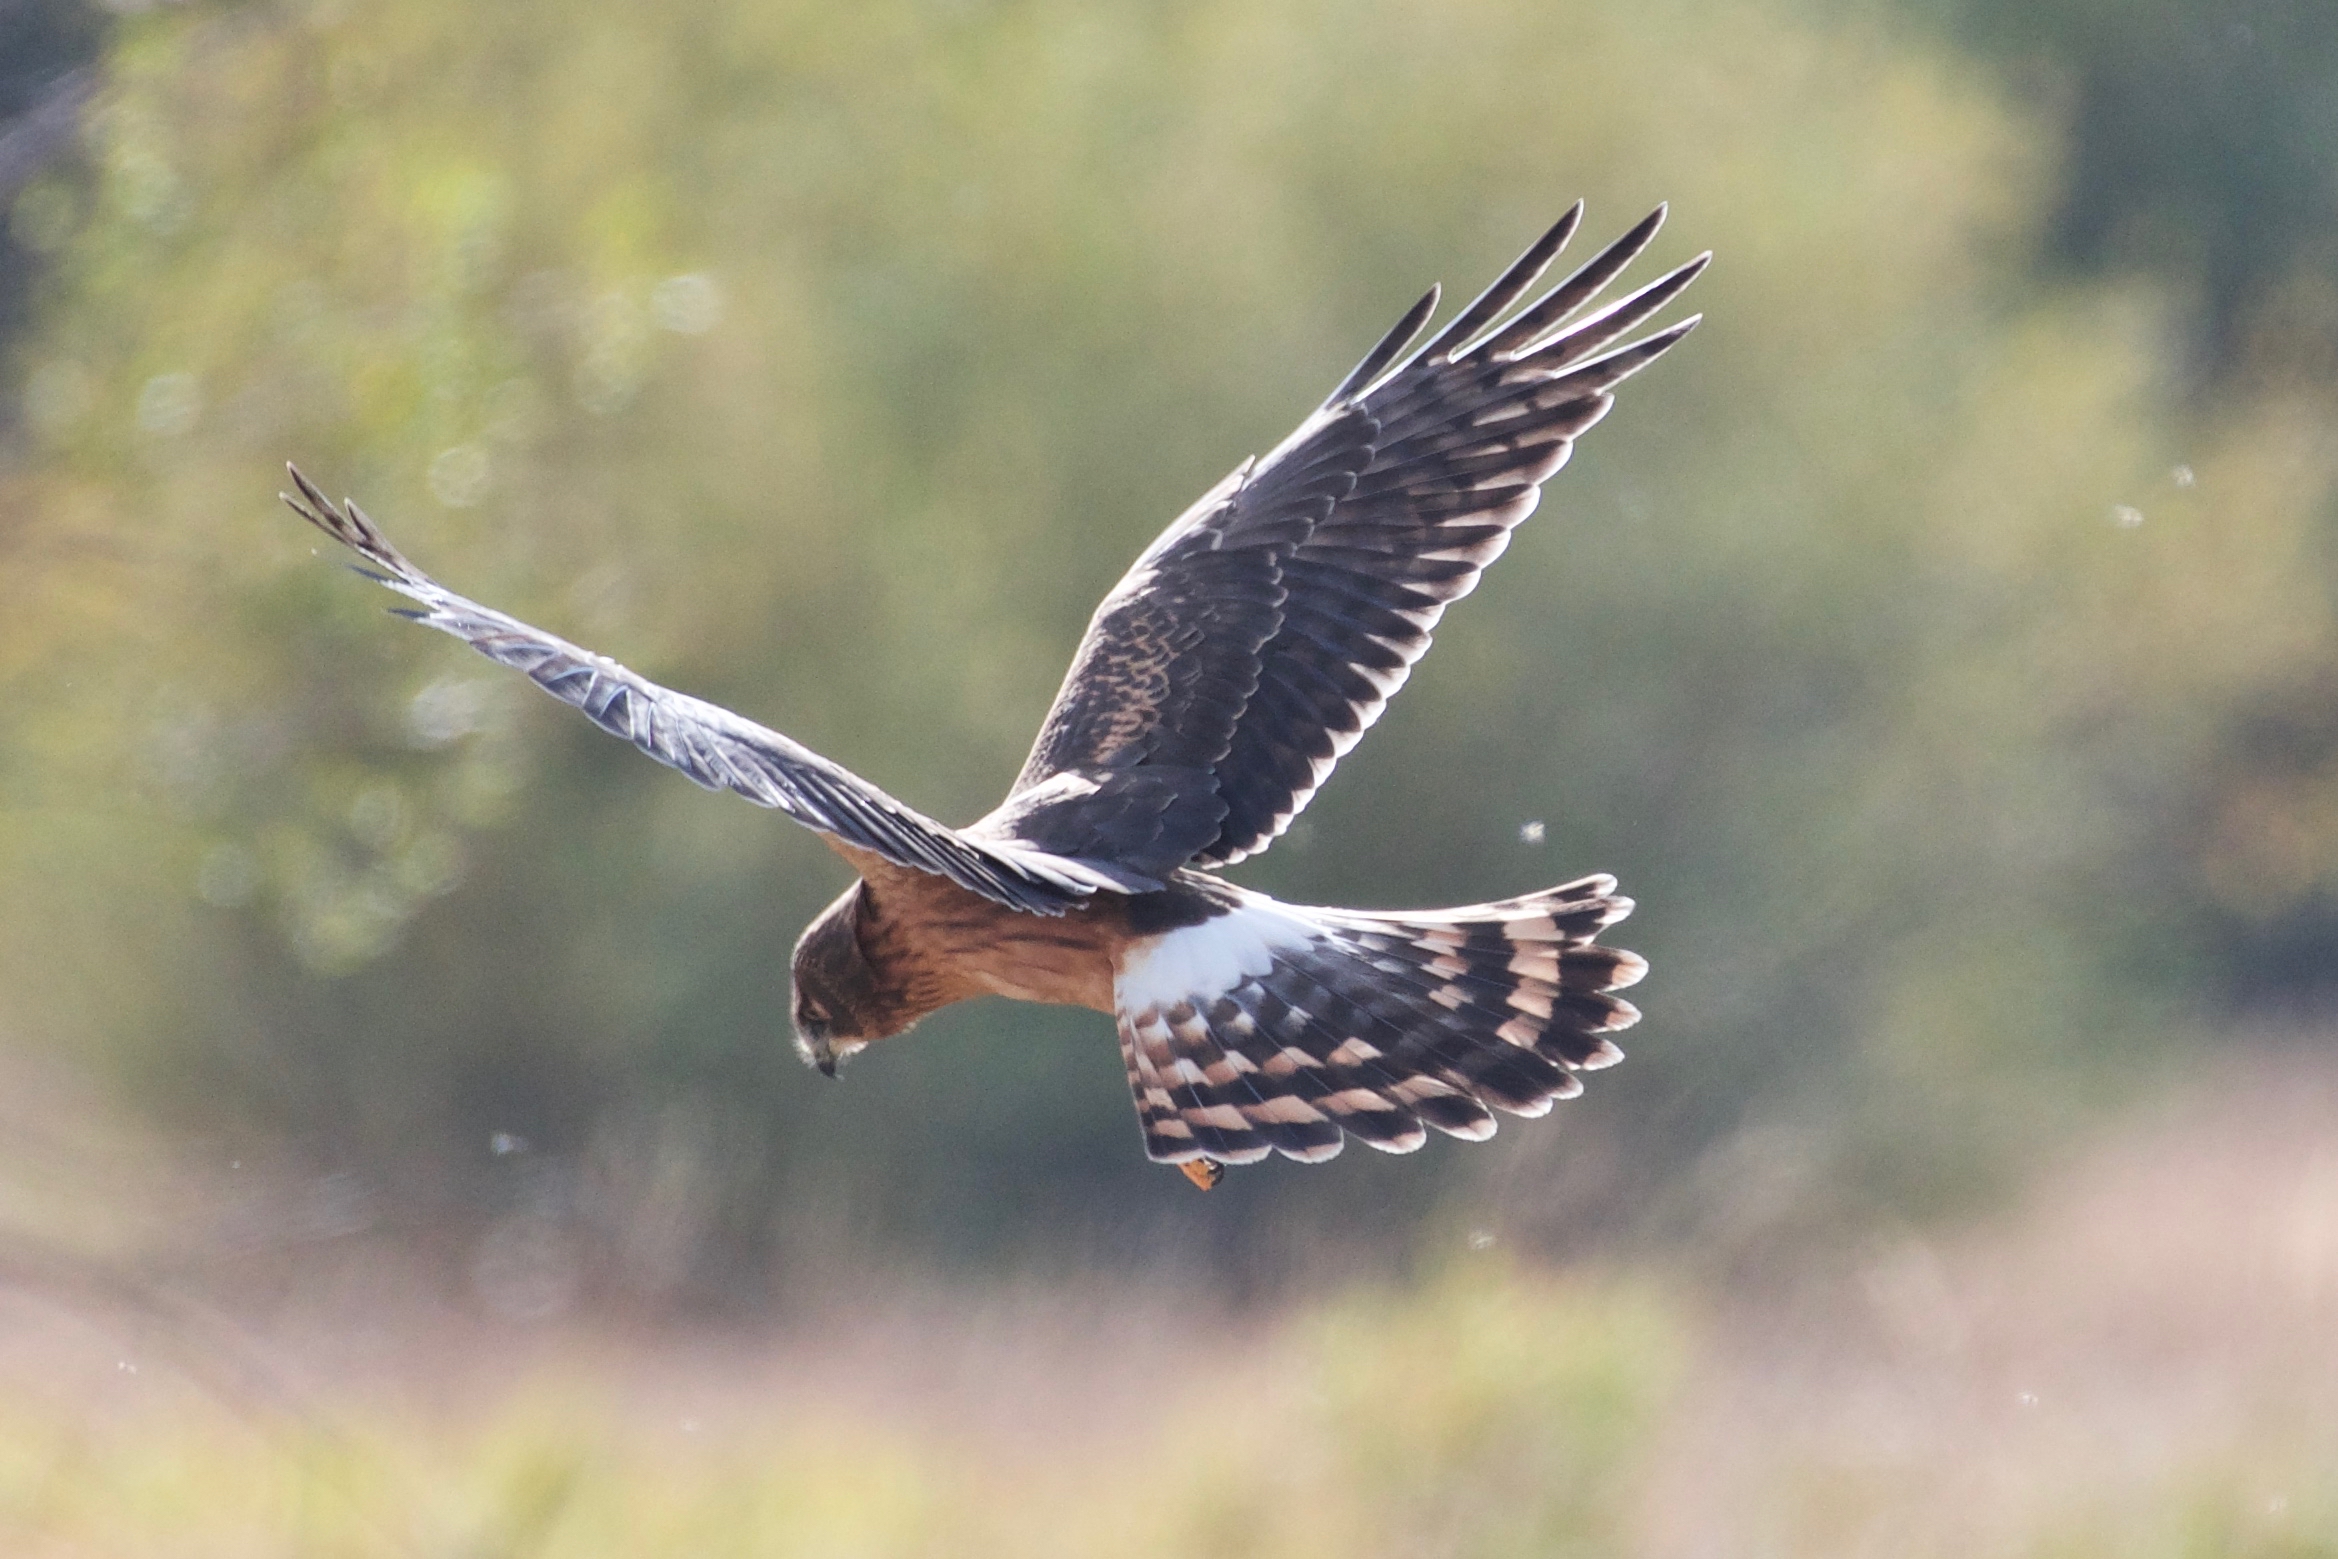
1124,769
1470,427
1263,633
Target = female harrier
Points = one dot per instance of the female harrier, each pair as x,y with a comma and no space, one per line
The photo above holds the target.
1248,649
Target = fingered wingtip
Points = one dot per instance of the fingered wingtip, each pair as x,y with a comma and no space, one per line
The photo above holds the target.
309,502
1648,348
1643,232
1556,237
1638,234
1361,378
349,525
309,490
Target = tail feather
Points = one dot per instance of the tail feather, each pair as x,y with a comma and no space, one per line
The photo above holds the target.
1271,1029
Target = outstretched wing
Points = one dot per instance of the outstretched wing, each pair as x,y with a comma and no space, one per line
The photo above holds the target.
1127,766
1258,639
718,749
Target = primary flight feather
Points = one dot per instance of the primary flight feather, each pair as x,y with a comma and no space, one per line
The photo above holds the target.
1243,655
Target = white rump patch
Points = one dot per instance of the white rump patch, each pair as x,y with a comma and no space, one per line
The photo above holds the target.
1199,964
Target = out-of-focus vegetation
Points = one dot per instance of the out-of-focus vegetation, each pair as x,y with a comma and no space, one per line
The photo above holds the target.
2198,139
1341,1434
46,80
2134,1363
831,362
399,1147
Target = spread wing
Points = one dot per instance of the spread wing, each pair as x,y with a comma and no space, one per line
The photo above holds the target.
1265,631
718,749
1129,761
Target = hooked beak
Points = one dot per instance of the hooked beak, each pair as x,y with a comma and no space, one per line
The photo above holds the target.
813,1044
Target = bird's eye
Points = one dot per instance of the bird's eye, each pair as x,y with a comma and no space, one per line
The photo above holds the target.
815,1013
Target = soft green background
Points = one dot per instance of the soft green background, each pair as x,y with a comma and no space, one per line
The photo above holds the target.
1928,644
400,1150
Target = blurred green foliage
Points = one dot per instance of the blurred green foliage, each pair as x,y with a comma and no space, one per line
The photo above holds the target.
831,362
2202,138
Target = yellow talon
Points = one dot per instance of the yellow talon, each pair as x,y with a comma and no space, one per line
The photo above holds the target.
1205,1173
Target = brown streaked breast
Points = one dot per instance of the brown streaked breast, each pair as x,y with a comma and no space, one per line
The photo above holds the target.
940,943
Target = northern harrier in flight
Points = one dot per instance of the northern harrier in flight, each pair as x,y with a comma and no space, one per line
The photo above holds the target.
1249,648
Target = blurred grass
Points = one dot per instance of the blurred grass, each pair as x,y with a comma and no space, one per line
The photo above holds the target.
2132,1363
1488,1412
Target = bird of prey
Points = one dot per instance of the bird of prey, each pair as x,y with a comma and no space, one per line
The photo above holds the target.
1246,651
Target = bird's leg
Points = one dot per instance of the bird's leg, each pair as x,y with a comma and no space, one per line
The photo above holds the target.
1205,1173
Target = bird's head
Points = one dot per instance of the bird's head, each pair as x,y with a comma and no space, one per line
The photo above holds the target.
838,1007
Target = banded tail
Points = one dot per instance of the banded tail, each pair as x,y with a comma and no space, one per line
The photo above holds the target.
1268,1028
